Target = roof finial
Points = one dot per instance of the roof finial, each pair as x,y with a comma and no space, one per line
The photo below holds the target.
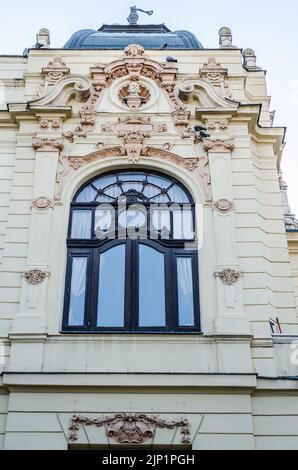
134,17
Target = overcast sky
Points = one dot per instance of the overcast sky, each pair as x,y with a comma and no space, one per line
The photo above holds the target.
267,26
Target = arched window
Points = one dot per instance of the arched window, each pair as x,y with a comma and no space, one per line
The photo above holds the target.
131,263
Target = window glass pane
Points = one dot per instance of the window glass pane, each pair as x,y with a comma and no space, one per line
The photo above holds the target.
162,198
152,309
81,224
161,220
103,198
178,195
183,224
132,186
185,292
132,176
132,218
110,313
113,191
151,191
87,195
159,181
77,292
104,181
103,218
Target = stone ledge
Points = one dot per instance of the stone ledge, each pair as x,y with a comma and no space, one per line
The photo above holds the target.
123,380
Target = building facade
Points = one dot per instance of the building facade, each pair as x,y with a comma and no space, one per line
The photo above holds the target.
183,334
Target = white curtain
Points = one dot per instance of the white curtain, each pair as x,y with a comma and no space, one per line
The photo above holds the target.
184,266
104,217
78,286
161,219
183,224
81,224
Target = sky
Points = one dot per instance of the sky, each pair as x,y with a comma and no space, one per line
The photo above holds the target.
267,26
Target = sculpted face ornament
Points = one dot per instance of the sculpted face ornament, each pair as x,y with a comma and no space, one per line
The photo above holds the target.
134,95
130,428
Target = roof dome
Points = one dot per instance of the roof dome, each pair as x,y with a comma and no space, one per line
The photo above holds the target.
120,36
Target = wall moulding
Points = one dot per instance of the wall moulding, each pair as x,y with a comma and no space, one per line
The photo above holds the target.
125,428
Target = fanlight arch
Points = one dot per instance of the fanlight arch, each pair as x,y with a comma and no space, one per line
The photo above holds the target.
126,241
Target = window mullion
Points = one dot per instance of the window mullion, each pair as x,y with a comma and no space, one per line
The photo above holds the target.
134,284
128,304
94,289
170,283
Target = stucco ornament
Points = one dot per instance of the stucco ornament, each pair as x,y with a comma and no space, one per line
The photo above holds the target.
141,124
45,144
134,65
223,206
43,203
229,277
213,72
134,95
55,70
47,125
35,277
133,130
130,428
88,111
219,138
219,145
134,50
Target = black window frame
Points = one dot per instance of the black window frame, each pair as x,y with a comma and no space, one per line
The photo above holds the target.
93,248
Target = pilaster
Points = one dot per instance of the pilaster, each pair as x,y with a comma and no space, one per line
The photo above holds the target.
219,145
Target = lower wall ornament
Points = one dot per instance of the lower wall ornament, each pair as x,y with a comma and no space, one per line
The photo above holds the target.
43,203
35,277
130,428
228,276
223,205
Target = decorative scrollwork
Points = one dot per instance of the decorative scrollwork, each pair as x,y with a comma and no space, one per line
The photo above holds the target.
130,428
